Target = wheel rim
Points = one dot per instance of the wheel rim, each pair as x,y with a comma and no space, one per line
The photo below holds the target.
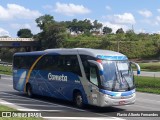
29,91
79,100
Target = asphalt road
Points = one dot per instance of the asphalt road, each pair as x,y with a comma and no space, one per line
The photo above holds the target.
58,109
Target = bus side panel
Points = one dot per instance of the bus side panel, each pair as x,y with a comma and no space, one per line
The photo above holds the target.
56,84
19,79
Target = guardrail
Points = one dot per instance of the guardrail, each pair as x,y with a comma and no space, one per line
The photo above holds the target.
5,63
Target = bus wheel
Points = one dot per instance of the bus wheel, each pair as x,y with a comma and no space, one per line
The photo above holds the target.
78,100
29,90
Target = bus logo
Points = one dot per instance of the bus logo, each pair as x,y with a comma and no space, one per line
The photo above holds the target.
57,77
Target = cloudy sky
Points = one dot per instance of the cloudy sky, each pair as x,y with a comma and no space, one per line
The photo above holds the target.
143,15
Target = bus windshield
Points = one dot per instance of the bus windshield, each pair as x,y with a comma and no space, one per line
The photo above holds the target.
118,75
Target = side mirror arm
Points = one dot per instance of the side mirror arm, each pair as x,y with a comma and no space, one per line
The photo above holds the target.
138,67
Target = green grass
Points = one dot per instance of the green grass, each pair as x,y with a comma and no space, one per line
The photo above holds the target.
155,67
5,70
151,67
4,108
148,84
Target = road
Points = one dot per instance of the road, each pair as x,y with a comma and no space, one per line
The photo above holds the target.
65,110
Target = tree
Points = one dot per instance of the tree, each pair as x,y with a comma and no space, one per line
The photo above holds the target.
120,31
130,35
44,20
97,25
52,34
24,33
107,30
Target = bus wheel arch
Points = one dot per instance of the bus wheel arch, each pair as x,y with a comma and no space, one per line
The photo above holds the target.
29,90
78,98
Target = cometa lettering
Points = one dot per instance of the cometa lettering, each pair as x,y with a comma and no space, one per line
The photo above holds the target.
57,77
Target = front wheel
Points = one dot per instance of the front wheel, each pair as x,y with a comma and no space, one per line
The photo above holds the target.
78,100
29,90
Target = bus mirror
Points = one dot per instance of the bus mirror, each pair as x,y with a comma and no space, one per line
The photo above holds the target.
99,65
138,67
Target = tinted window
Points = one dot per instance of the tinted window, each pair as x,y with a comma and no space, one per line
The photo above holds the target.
65,63
86,65
24,62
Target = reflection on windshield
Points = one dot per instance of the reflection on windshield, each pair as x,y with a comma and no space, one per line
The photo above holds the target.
118,75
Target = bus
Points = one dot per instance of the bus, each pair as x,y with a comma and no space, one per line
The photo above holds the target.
82,75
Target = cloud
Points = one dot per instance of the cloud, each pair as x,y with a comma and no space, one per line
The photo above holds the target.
16,11
158,10
108,7
145,13
151,22
115,27
158,18
20,26
70,9
140,31
4,32
125,18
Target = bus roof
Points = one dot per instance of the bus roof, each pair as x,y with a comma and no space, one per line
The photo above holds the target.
101,54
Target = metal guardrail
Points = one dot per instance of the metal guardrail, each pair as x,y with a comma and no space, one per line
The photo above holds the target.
5,63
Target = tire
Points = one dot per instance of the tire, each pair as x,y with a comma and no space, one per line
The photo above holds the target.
78,100
29,91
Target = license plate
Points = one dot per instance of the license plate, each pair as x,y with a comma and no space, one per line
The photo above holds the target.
121,102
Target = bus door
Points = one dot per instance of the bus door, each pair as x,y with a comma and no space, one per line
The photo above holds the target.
94,79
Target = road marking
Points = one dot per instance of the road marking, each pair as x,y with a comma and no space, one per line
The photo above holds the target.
65,106
6,103
36,105
80,118
17,99
46,102
39,110
6,79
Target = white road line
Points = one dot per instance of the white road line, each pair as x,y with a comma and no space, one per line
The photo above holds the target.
45,102
39,110
80,118
36,105
68,107
7,79
6,103
17,99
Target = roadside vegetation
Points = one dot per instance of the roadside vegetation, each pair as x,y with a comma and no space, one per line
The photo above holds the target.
152,67
5,108
5,70
147,84
88,34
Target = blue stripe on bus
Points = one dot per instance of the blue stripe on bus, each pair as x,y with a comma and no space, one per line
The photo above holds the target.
126,93
112,57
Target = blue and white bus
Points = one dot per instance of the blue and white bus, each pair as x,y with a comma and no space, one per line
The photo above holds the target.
85,76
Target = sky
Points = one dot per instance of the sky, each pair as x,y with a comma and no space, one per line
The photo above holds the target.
140,15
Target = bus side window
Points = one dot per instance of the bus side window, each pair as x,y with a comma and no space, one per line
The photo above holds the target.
93,75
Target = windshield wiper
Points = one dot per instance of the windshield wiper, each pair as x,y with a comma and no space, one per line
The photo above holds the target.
125,80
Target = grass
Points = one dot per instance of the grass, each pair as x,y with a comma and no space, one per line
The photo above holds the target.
5,70
155,67
148,84
4,108
150,67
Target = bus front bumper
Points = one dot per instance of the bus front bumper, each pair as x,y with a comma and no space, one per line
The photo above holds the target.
116,101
